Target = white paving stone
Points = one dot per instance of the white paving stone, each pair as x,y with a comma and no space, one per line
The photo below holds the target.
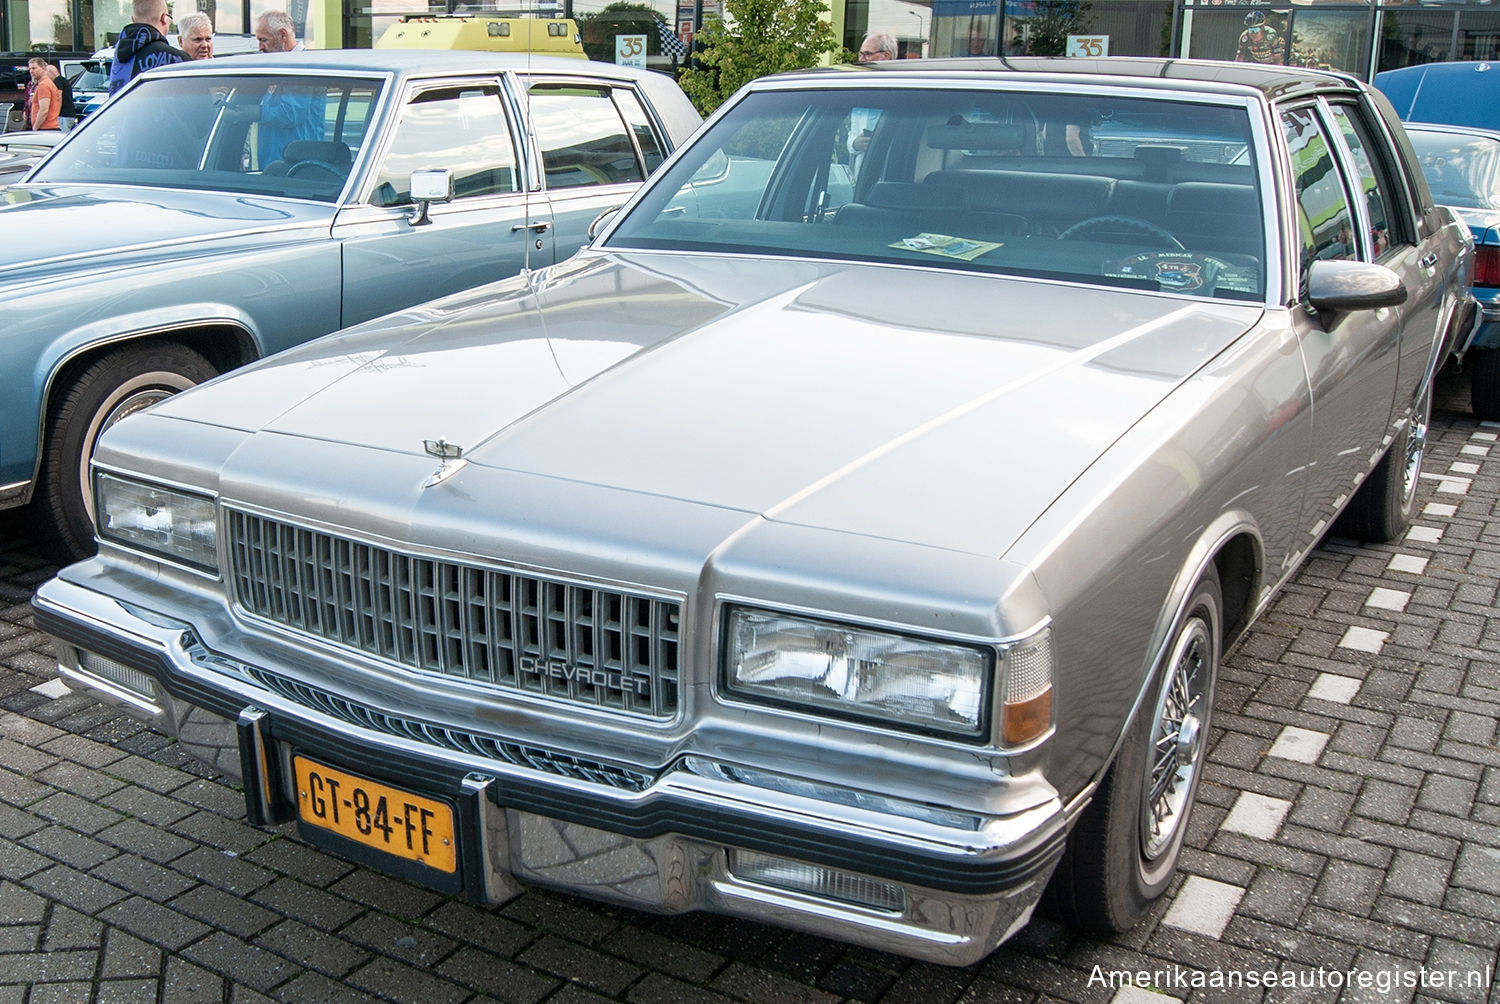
1425,534
1301,745
52,689
1364,640
1257,816
1454,486
1411,563
1470,450
1333,688
1388,599
1439,509
1486,437
1204,906
1139,995
1461,468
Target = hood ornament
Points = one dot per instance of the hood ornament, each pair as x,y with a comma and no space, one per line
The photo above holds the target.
451,458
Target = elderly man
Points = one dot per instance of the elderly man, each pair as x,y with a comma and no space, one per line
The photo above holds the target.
877,45
276,32
143,43
195,34
46,100
286,113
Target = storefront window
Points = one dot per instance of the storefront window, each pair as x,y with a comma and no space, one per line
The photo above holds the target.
1409,37
965,28
50,23
1478,34
1325,39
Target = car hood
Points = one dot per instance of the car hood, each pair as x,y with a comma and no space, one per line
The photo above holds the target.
47,228
907,404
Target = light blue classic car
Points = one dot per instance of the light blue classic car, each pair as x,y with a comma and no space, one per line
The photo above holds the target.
220,211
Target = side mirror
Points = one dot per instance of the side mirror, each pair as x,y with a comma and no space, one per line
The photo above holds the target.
1341,286
426,188
601,221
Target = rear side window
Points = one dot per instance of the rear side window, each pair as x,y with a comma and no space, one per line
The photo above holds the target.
1386,225
463,129
582,136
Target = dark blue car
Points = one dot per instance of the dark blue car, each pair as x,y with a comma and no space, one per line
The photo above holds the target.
1452,111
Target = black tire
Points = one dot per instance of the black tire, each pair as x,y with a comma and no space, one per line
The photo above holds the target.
1123,851
116,384
1383,507
1484,384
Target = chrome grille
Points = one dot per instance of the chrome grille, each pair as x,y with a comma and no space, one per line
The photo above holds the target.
460,740
598,647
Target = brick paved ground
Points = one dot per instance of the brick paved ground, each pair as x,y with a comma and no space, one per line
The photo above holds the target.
1349,821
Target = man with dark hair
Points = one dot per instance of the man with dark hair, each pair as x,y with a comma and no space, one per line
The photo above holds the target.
1259,42
143,43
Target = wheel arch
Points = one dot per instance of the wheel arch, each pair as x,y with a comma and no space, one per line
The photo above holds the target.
224,342
1232,546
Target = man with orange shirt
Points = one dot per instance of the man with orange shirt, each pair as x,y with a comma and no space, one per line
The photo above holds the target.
46,99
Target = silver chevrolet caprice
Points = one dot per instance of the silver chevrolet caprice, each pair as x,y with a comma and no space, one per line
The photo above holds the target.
848,538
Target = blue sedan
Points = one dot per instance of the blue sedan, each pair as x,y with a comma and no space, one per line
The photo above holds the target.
215,212
1452,114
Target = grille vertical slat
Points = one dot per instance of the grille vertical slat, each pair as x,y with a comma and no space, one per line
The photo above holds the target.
581,644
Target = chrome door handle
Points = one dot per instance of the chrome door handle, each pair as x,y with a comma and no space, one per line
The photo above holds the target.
1428,260
540,226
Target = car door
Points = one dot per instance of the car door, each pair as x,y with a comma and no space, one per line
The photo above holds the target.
596,142
1352,359
395,257
1397,243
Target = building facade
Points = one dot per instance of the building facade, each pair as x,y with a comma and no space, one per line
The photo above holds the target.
1359,37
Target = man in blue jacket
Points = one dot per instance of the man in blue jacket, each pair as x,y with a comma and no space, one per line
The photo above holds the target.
143,43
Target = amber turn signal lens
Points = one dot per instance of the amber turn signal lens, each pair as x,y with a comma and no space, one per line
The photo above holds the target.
1027,720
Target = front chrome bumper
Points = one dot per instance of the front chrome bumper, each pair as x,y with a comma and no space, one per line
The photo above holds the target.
950,884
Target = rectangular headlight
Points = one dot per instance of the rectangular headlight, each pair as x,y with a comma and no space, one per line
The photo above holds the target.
898,680
161,521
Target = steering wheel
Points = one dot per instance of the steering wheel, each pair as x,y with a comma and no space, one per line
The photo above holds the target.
1111,228
303,166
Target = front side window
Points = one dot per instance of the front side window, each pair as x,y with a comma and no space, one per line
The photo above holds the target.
291,135
1324,217
462,129
1156,194
582,137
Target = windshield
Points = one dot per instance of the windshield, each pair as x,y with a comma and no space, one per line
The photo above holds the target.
1462,171
1149,193
295,136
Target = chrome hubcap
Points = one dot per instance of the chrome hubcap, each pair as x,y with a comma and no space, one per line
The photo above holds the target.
1416,446
1177,740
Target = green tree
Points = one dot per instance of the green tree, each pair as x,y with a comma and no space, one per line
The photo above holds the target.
766,36
1046,32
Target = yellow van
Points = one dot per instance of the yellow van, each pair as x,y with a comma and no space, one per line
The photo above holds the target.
544,36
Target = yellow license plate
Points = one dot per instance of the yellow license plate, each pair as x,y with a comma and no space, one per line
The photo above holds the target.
367,812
